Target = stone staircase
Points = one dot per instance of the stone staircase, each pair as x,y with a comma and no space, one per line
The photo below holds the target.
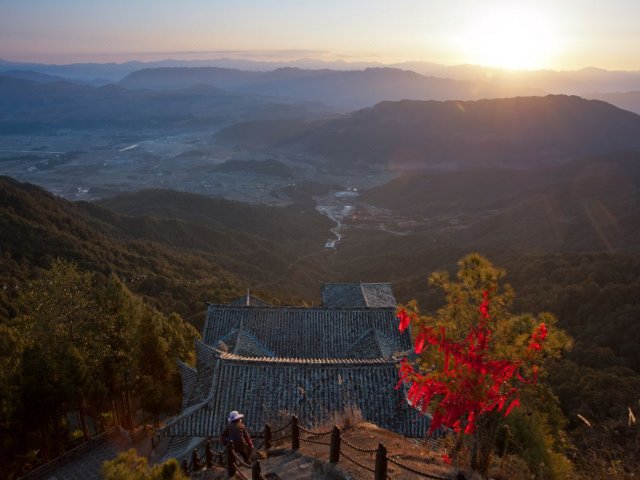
284,465
293,465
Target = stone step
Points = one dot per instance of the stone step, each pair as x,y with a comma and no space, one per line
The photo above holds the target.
293,466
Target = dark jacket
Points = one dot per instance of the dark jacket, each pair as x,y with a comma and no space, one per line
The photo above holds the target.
237,432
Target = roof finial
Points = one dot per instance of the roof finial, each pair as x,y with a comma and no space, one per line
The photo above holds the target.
248,301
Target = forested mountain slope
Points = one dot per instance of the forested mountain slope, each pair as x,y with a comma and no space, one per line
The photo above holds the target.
177,261
522,132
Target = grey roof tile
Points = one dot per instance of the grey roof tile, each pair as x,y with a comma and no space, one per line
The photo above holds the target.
303,332
314,390
357,295
314,362
189,381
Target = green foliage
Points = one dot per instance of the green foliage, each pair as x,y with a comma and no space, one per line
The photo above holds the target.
510,339
511,332
192,249
594,295
528,437
129,466
82,340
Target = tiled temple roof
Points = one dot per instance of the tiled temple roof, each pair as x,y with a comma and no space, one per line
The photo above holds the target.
304,332
357,295
189,381
313,362
244,344
373,344
313,390
206,358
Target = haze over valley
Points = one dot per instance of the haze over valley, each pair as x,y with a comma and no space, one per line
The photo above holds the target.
211,153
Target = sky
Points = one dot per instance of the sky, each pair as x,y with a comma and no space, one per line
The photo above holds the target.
557,34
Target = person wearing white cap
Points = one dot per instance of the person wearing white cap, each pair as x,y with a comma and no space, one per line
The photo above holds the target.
236,431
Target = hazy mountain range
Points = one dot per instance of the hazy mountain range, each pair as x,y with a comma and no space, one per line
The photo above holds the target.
31,106
340,89
342,84
517,132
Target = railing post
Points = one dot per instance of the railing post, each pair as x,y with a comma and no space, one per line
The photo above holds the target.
295,433
381,462
334,451
231,460
267,436
195,461
208,454
256,471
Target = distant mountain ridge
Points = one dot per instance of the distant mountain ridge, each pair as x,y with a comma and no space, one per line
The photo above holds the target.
589,77
346,89
28,106
516,132
336,83
627,100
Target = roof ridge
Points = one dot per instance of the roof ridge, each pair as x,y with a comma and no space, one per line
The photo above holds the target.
305,361
247,334
364,295
223,306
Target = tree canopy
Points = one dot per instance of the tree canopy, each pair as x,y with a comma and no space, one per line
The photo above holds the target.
479,361
83,343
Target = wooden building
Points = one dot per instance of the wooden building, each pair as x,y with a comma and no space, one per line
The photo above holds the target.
267,361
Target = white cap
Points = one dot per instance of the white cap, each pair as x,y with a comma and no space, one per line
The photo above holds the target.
233,416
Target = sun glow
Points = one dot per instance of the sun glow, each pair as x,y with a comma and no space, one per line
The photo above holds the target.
511,38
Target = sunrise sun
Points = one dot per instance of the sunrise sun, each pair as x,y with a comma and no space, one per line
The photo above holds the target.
510,38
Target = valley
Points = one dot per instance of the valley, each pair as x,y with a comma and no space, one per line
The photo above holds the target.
185,206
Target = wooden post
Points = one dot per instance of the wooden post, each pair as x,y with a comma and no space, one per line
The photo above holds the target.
208,454
231,459
267,436
83,420
295,433
256,471
381,462
116,417
129,412
334,451
195,461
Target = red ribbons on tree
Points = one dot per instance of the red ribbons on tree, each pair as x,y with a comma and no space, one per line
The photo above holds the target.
475,384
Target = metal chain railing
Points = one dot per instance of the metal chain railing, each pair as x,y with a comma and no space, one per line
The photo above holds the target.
259,446
203,457
316,434
246,464
417,472
357,463
363,450
317,442
234,462
281,429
